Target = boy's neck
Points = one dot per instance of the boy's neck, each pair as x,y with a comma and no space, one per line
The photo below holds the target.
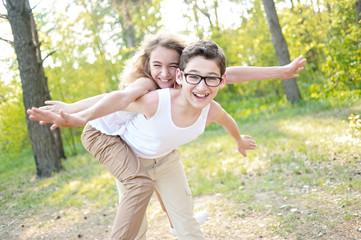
182,112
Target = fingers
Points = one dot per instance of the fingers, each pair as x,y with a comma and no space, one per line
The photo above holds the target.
63,114
303,62
249,142
43,122
45,107
53,127
49,102
32,114
244,154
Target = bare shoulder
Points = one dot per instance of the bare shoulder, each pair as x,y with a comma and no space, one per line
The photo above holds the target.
144,83
146,104
214,110
150,98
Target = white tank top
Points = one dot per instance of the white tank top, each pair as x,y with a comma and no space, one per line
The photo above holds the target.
112,124
158,136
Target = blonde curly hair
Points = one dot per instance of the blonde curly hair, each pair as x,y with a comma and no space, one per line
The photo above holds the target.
138,65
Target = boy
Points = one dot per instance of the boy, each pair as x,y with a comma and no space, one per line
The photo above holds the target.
172,117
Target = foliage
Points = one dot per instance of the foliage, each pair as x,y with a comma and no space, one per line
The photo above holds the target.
85,48
355,125
343,67
13,130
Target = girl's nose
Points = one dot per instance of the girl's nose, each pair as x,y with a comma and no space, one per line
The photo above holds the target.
165,71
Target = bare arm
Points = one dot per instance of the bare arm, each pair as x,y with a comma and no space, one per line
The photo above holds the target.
56,106
244,74
218,115
118,100
112,102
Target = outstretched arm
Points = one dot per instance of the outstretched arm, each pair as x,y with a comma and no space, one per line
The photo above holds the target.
244,74
112,102
218,115
118,100
56,106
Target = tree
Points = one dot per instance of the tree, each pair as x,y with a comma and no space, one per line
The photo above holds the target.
358,10
47,145
290,86
128,25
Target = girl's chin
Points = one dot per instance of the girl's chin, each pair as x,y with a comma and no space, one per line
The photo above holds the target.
165,84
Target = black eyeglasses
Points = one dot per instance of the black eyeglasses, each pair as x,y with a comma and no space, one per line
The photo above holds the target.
195,79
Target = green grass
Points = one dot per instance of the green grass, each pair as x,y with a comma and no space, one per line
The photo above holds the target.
305,161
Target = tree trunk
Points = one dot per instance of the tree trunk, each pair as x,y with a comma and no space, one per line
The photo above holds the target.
47,146
358,10
128,25
290,86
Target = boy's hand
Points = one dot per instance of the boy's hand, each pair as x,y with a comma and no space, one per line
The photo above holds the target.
247,143
61,119
294,67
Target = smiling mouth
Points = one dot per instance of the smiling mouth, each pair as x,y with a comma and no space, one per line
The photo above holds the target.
201,95
164,80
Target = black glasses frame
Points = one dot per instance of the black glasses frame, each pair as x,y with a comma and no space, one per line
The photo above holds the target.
202,78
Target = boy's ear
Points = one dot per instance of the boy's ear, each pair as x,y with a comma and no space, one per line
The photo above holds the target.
179,78
223,83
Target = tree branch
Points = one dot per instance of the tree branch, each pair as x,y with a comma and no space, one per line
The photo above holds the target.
6,3
4,16
31,9
3,98
8,41
51,53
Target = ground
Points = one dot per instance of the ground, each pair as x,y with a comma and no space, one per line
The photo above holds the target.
222,223
227,220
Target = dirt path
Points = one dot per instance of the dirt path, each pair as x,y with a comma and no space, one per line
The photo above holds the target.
225,222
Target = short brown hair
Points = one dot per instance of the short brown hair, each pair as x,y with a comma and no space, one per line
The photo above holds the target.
207,49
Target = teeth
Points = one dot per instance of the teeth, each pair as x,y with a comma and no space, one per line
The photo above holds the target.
163,80
200,95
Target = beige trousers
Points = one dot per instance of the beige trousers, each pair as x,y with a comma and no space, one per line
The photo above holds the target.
124,165
166,174
170,181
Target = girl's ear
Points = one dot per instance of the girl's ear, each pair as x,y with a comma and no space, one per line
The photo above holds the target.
223,83
179,75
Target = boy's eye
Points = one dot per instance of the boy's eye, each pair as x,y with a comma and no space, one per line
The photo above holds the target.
213,79
193,77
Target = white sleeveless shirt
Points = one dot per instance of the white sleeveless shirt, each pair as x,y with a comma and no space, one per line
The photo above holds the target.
112,124
158,136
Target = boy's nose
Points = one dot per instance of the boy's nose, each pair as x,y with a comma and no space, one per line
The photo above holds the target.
202,85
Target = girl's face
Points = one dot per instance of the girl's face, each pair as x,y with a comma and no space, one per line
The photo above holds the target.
200,95
163,66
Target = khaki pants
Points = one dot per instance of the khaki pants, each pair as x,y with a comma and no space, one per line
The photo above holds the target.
165,173
170,181
123,164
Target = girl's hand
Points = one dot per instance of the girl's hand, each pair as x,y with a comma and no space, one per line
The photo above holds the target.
55,106
60,119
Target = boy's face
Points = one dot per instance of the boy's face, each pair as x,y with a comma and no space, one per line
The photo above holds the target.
200,95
